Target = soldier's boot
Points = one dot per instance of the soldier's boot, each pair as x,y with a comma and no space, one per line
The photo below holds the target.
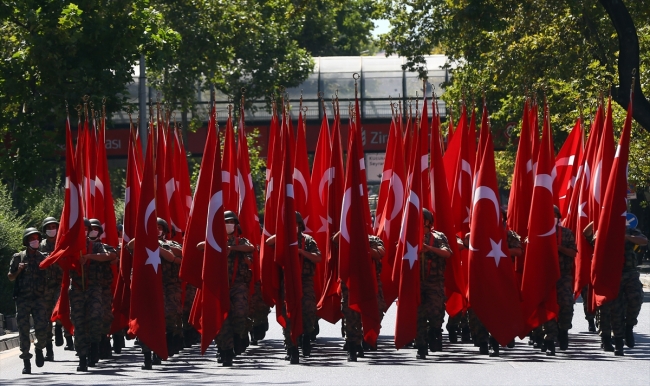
606,341
40,360
27,366
246,342
346,346
342,328
531,339
118,343
93,358
252,338
465,335
453,334
422,352
49,352
483,348
263,329
494,345
592,325
295,355
147,361
170,344
619,347
178,342
315,332
306,345
69,344
563,338
83,363
360,351
58,335
550,348
352,352
511,344
238,347
219,359
155,359
226,358
438,342
431,339
629,336
105,349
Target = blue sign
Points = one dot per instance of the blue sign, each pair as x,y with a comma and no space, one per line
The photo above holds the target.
631,221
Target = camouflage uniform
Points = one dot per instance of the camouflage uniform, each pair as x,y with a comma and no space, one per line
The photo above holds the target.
239,276
625,309
86,306
431,311
106,280
29,294
308,244
564,287
172,291
376,243
53,277
259,310
190,294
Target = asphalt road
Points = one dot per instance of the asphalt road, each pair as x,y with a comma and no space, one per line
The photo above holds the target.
583,363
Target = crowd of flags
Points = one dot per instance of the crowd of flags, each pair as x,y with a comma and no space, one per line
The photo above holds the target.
453,176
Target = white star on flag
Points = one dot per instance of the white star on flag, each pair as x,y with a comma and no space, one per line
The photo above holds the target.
496,251
581,209
467,219
323,227
153,259
411,254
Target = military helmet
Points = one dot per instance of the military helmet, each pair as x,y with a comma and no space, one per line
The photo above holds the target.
163,224
31,231
427,215
557,211
96,223
48,221
299,221
230,215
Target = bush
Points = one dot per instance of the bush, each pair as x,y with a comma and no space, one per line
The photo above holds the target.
11,232
50,205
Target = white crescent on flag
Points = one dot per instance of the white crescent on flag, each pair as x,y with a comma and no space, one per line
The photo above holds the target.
147,213
74,206
99,185
467,169
327,176
397,186
215,203
483,192
297,176
344,215
598,176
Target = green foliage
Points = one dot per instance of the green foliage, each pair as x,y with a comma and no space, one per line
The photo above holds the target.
50,204
11,232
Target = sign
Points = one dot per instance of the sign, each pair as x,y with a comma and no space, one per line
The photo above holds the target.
510,127
374,166
631,192
631,221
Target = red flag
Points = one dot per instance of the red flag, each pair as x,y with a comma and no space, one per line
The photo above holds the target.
602,167
541,267
301,175
456,271
567,163
384,185
229,168
89,168
424,155
329,306
183,182
608,261
162,202
215,293
492,287
62,308
175,201
533,121
362,164
192,262
71,238
147,314
104,209
355,264
407,264
389,219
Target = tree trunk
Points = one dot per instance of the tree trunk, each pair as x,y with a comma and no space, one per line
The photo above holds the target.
628,60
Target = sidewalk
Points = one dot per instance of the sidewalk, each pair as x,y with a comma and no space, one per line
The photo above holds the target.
10,340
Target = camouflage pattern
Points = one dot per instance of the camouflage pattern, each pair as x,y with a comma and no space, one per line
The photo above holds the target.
87,306
458,321
172,291
478,330
107,292
585,304
376,243
54,276
431,311
30,300
626,307
259,310
239,276
190,294
309,302
514,241
353,328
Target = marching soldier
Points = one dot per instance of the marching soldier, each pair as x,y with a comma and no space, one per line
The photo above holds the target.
29,293
172,290
54,275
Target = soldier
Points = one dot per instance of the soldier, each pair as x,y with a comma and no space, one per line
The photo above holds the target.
54,275
171,288
431,312
86,299
310,256
29,293
377,252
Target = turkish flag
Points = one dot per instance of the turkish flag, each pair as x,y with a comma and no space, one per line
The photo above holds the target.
456,271
356,268
301,175
329,306
602,167
61,310
162,202
229,168
609,257
71,238
452,153
192,262
390,217
89,168
450,128
147,314
362,164
407,264
424,155
463,173
175,199
321,179
215,293
567,163
492,286
533,121
183,181
387,171
541,267
104,209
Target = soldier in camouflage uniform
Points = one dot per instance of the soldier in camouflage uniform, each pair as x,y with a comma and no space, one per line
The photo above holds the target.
86,299
233,338
54,276
29,293
259,314
190,335
431,312
377,252
172,291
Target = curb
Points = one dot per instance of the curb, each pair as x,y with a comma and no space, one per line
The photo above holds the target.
11,340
